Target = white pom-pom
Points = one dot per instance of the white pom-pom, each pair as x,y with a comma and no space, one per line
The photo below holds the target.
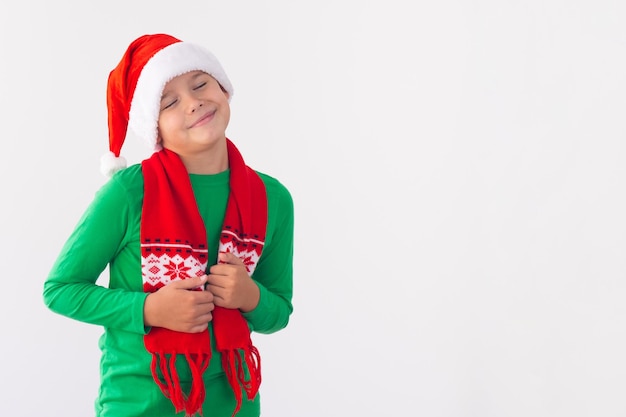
110,164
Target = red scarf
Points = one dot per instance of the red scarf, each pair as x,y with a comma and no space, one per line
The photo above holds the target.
174,246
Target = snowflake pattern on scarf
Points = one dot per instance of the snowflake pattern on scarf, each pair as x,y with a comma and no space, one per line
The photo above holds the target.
160,270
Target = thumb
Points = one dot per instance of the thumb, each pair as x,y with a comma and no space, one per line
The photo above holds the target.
190,283
229,258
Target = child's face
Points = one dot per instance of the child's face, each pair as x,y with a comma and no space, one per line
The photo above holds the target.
194,113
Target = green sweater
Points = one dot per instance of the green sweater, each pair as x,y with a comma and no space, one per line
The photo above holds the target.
108,234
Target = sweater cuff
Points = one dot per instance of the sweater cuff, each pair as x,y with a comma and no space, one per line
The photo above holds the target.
140,326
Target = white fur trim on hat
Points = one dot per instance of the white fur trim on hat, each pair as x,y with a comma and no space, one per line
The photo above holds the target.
110,164
170,62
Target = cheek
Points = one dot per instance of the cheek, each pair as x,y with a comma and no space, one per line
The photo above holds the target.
165,126
227,112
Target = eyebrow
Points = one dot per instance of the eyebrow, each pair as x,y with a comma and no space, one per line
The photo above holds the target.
200,73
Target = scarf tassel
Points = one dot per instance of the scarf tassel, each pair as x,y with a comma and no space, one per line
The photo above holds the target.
236,373
191,403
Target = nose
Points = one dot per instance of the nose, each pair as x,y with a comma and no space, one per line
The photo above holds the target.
192,103
195,105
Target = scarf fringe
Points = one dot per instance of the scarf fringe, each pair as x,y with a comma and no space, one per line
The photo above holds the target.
191,403
236,373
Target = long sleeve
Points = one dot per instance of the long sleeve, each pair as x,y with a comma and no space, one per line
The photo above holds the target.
100,235
274,272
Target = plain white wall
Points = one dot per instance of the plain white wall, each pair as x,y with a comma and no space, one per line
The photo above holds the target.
459,182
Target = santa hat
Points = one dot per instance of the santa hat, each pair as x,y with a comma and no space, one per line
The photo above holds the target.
135,86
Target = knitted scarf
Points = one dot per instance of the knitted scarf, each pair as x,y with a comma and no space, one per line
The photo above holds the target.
174,247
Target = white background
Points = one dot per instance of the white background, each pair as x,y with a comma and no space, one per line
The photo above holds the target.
459,182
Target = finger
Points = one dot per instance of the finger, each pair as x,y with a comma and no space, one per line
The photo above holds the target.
202,326
216,290
216,278
220,302
190,283
229,258
203,310
203,297
218,269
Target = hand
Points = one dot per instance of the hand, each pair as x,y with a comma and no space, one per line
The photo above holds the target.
177,307
231,285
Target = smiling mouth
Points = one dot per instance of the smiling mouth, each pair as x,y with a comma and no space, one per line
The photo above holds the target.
204,119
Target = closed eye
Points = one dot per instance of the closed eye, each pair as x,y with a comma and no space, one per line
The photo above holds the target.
169,104
199,86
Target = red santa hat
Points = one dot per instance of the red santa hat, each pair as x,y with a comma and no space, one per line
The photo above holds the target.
135,86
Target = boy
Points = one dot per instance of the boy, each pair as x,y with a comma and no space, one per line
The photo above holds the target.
199,246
